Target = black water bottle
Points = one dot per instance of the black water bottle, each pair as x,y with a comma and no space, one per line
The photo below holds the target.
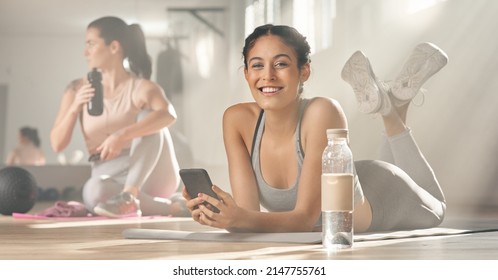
96,104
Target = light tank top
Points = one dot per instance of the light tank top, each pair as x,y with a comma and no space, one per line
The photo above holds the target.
119,112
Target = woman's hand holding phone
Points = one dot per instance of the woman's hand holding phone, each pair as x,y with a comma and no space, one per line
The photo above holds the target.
197,180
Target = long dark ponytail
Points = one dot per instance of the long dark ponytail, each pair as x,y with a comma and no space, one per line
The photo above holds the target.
132,39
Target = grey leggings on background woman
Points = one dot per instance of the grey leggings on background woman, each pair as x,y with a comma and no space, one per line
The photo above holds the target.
150,163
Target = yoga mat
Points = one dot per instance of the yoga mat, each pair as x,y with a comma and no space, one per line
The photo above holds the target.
70,211
294,237
297,237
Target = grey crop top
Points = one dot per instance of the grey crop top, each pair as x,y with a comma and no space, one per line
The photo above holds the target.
279,200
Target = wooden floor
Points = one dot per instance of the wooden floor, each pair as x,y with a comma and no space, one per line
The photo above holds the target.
102,239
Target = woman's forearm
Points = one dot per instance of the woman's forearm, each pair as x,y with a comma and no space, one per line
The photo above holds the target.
61,133
152,123
291,221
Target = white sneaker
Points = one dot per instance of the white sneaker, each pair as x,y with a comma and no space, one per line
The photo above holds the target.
426,60
371,94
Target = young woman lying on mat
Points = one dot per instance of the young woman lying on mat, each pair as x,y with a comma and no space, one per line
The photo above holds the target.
274,145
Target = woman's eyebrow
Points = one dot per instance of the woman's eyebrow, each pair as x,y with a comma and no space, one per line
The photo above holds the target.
275,57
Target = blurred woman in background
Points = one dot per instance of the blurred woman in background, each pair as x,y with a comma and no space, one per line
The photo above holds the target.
134,166
28,151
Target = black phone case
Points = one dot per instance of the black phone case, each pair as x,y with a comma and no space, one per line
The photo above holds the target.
94,157
196,180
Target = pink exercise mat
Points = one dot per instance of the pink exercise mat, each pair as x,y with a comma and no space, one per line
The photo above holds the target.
65,211
40,217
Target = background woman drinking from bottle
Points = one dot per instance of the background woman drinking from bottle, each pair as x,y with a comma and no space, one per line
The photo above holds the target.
134,167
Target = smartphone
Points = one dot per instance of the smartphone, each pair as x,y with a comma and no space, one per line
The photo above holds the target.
196,180
94,157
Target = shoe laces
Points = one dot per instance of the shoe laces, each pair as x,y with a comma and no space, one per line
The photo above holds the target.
384,86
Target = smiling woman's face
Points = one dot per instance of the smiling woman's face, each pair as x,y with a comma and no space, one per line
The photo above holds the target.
272,73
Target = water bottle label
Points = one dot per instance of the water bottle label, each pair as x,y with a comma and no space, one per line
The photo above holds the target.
337,192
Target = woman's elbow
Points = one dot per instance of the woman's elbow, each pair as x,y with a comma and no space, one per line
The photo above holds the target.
306,223
308,227
57,146
172,120
169,118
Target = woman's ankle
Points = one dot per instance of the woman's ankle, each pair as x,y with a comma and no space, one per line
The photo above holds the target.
131,190
393,123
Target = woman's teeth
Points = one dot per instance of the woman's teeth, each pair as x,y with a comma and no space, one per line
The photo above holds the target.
269,89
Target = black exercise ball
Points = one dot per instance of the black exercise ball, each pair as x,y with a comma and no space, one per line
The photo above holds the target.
18,190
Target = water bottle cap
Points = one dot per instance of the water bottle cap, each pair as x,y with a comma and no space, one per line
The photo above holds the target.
94,76
337,133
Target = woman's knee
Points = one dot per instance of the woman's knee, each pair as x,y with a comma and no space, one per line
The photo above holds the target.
147,144
397,201
97,190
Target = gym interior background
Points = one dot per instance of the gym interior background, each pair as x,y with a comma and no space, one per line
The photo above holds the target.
41,50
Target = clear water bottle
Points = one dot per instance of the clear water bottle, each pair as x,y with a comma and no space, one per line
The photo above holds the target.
337,191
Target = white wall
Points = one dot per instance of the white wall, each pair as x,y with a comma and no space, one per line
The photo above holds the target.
37,69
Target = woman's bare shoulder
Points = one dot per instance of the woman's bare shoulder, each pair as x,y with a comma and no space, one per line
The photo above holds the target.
325,110
324,105
241,118
74,85
146,90
242,111
147,85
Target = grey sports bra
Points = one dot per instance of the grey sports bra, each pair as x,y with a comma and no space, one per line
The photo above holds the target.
271,198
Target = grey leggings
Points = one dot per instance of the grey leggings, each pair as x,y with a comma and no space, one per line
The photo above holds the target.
150,163
402,189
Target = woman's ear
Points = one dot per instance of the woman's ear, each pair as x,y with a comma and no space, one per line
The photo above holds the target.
305,72
245,73
115,47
